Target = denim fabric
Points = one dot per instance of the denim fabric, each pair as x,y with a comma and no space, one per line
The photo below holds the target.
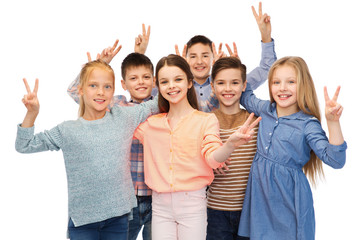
110,229
141,217
223,225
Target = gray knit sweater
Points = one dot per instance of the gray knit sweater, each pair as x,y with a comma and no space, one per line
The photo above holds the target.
96,155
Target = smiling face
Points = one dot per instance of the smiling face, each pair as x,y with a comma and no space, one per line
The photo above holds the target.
173,84
283,89
200,58
97,93
139,81
228,87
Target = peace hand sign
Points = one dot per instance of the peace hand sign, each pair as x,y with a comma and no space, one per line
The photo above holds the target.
244,133
30,99
107,54
263,22
142,41
333,109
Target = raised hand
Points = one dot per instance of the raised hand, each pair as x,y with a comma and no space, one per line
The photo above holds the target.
183,52
31,103
263,22
30,99
333,109
142,41
244,133
232,53
108,53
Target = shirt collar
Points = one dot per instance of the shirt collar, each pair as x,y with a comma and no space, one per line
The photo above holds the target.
146,99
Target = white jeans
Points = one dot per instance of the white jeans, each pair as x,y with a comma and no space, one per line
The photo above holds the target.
179,215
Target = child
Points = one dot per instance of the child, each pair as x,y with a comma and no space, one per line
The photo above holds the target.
96,151
181,146
200,53
226,193
278,202
138,79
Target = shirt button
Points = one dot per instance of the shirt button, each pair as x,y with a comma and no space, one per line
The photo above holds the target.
266,148
201,94
270,134
170,150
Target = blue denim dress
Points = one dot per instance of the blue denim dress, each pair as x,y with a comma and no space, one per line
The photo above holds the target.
278,202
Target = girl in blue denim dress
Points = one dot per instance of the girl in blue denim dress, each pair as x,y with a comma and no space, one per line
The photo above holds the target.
278,202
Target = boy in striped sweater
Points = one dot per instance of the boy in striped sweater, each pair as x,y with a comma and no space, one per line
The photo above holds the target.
226,193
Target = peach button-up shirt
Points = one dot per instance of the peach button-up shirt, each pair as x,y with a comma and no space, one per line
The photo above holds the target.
179,159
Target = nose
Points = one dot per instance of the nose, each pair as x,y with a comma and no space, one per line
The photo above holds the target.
171,84
100,91
283,86
141,81
227,87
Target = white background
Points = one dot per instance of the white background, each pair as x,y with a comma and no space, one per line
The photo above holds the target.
49,40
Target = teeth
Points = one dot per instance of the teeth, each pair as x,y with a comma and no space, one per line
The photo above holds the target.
98,100
228,96
283,96
173,93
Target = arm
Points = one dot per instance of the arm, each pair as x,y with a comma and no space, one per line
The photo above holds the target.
268,56
26,141
240,137
333,111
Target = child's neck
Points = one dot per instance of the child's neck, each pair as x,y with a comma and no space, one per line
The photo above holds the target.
177,111
230,110
93,116
201,81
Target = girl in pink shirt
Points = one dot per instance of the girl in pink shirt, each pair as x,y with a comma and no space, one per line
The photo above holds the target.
181,147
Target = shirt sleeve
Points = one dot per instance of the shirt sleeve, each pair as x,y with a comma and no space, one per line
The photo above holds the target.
259,75
73,89
211,141
332,155
27,142
139,132
251,103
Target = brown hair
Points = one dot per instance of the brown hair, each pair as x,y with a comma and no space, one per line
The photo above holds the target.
228,63
177,61
85,75
135,60
199,39
307,102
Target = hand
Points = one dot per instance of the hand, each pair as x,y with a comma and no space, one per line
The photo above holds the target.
217,54
142,41
244,133
183,52
30,99
263,22
232,53
108,53
333,109
221,170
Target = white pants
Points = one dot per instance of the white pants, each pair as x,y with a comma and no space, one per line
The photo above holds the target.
179,215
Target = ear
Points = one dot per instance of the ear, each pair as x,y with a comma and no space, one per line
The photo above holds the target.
190,84
80,90
212,86
154,82
123,84
244,87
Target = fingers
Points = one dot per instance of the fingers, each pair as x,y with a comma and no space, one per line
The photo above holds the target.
255,123
254,12
115,44
229,49
88,56
177,50
36,87
27,86
260,8
184,51
336,95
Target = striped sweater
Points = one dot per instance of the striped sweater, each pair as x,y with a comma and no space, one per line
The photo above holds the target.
227,192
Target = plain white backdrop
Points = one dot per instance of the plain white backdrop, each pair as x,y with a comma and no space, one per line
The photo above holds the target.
49,40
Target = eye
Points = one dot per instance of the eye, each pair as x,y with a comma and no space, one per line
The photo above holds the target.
219,83
92,85
276,82
108,87
178,79
163,82
236,82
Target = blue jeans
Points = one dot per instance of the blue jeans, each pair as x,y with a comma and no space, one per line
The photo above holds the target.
110,229
223,225
141,217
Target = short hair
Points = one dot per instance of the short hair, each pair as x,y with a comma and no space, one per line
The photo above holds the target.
199,39
135,60
228,63
177,61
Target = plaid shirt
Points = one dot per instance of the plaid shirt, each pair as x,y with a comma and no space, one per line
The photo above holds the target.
136,154
207,99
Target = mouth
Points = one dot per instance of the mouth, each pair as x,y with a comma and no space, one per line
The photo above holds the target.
141,89
173,93
228,96
100,101
284,96
200,68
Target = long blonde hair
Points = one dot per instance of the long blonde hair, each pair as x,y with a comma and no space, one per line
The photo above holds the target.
307,102
85,75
